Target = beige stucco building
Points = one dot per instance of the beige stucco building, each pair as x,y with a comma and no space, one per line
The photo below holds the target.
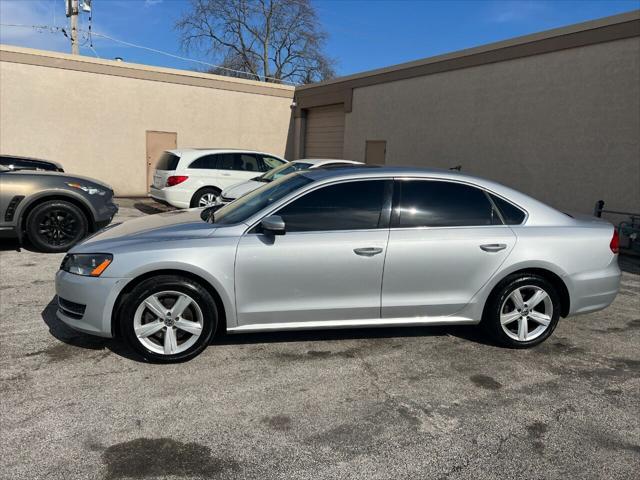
555,114
93,115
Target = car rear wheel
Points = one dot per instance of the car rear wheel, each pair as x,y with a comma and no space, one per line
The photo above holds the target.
168,318
205,197
523,311
56,226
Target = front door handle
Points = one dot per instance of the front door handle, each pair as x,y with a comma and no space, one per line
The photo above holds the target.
367,251
493,247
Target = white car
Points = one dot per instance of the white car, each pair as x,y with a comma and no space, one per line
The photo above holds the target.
235,191
193,177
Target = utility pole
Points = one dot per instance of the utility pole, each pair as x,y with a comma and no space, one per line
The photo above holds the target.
72,12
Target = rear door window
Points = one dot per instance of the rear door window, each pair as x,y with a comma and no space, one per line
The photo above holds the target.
168,161
208,161
512,215
225,161
432,203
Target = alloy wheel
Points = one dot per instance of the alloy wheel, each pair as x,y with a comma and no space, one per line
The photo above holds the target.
207,200
58,227
168,322
526,313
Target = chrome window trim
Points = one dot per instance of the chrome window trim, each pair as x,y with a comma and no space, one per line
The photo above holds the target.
470,184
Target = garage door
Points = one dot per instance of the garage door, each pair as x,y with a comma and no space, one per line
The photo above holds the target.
324,134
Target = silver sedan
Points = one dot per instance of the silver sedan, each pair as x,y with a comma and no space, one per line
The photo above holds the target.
341,248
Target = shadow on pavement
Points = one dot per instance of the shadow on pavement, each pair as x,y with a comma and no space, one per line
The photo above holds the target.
77,339
66,334
466,332
629,264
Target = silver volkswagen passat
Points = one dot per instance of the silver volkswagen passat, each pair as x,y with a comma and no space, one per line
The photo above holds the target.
341,248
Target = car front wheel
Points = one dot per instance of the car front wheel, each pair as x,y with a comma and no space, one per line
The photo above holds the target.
56,226
168,318
523,311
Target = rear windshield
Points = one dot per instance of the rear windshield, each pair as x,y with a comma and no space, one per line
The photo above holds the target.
168,161
285,169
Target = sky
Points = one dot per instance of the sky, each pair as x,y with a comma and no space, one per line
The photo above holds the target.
362,34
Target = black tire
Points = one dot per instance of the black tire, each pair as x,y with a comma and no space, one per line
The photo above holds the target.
157,285
200,194
500,301
55,226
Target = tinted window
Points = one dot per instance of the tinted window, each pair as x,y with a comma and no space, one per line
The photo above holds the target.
28,163
345,206
443,204
226,161
512,215
270,162
208,161
247,162
168,161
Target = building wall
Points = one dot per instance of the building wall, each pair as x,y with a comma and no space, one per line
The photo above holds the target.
92,116
563,126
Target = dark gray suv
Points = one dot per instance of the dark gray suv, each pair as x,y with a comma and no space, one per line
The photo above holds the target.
53,210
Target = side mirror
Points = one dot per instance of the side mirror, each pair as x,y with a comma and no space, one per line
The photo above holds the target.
273,225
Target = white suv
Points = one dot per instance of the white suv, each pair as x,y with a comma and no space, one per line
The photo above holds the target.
192,177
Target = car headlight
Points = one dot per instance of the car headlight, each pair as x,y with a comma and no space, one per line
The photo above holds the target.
87,188
87,264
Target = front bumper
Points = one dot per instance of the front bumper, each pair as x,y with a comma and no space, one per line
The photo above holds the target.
86,303
175,198
105,215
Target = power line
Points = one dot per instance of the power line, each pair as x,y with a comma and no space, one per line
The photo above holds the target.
53,29
179,57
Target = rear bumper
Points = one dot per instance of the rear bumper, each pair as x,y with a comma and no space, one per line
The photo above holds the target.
86,303
175,198
595,290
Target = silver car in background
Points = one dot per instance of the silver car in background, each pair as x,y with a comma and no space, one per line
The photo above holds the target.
341,248
230,194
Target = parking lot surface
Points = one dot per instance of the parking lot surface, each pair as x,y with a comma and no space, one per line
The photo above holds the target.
376,404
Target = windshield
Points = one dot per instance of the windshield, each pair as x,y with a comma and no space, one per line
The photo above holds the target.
283,170
248,205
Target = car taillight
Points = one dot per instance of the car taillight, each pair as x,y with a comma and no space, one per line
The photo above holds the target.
175,180
615,242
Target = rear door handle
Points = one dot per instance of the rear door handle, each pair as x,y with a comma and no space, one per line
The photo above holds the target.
367,251
493,247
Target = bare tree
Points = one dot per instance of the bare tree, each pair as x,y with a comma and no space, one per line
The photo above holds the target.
268,40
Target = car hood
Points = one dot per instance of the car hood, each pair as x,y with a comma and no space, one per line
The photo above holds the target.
172,225
240,189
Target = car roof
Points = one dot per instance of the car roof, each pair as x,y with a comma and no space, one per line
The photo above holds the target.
199,150
323,161
543,211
